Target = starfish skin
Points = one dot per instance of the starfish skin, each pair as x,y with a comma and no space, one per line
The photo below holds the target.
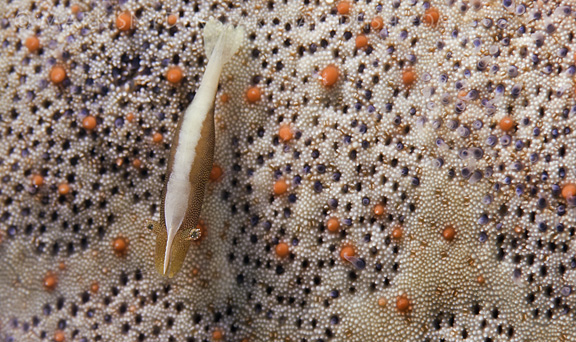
423,193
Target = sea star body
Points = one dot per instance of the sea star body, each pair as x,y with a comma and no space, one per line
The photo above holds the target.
394,171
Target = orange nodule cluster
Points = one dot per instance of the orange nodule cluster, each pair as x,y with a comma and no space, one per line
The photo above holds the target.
408,77
32,43
402,304
120,245
215,173
449,233
569,190
346,252
431,16
253,94
377,23
285,133
50,281
172,19
59,336
217,334
157,137
174,74
329,75
506,123
57,74
282,249
89,122
280,187
344,8
378,209
333,224
397,233
361,41
37,180
64,189
124,21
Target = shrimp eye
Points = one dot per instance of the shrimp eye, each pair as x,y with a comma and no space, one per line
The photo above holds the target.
194,234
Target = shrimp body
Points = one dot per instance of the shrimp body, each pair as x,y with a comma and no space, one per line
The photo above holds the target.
191,156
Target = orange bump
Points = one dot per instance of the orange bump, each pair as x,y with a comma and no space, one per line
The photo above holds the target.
120,245
518,230
378,209
449,233
397,233
408,77
253,94
224,98
280,187
382,301
75,9
431,16
137,163
329,75
569,190
172,19
344,8
402,304
37,180
57,74
215,173
217,334
63,189
506,123
130,117
59,336
32,43
361,41
174,74
94,287
50,281
333,224
157,137
377,23
124,21
285,133
480,279
282,250
89,122
347,251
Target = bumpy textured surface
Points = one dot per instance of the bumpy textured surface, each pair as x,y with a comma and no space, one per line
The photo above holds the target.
77,259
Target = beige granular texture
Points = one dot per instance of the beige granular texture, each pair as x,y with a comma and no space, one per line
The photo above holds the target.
78,264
